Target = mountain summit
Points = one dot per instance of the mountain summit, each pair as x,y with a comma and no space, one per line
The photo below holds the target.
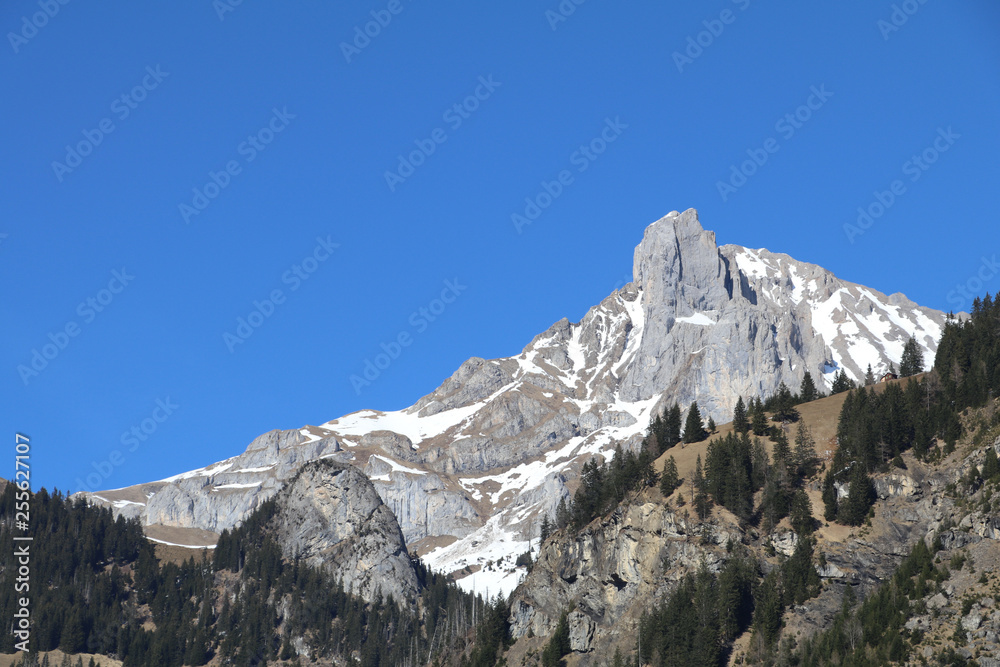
469,468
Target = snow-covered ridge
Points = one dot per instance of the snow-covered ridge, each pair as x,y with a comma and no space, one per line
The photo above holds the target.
475,464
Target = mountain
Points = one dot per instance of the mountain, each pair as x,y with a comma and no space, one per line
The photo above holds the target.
469,469
329,515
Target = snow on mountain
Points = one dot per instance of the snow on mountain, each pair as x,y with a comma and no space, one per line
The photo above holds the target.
469,469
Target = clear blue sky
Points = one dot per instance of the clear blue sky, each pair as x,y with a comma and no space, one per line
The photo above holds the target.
326,132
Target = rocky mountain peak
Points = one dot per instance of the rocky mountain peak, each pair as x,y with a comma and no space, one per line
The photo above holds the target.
469,468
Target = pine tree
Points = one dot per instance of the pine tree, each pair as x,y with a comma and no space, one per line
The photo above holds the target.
805,452
860,497
807,390
758,420
563,514
841,382
991,467
913,359
869,377
702,503
546,529
800,513
711,425
670,480
740,422
672,426
784,405
694,430
558,645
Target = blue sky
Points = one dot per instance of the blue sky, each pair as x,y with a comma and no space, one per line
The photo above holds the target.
214,155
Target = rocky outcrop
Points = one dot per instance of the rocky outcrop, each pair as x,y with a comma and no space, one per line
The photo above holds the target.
612,569
330,516
619,566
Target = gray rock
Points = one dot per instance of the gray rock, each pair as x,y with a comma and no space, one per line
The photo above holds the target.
581,631
331,516
972,621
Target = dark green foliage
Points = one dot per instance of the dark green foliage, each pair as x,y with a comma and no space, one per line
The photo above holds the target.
829,497
841,382
800,513
758,420
563,515
696,624
768,608
799,578
853,510
603,485
702,502
670,479
673,424
558,644
807,390
869,377
694,430
729,474
804,457
913,359
710,426
664,431
991,467
967,363
546,529
741,423
98,571
782,405
871,634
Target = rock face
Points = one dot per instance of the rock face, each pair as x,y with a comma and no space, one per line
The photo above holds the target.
500,441
612,569
619,566
331,516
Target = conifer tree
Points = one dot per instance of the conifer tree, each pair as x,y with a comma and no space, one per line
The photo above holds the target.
805,452
672,428
869,377
563,514
670,479
702,503
758,420
841,382
913,359
694,430
807,390
740,422
711,425
784,405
